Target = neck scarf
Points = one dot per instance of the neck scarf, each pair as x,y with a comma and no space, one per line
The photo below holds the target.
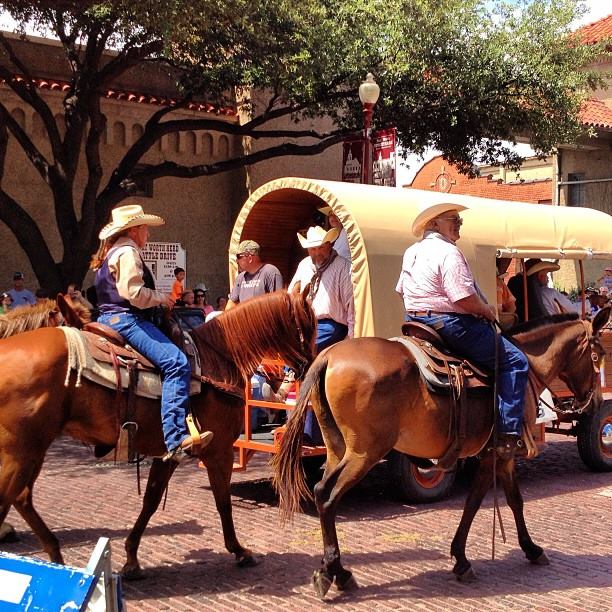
315,282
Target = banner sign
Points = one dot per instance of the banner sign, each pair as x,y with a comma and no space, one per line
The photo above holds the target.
384,165
161,258
352,160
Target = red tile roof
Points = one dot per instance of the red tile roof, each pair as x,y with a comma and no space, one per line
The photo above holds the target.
596,114
131,96
438,175
597,31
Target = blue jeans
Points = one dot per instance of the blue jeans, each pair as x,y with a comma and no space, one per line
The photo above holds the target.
175,370
474,338
328,332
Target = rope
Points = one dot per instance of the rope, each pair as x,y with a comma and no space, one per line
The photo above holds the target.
77,354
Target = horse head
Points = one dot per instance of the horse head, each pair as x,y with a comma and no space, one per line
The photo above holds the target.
74,313
583,374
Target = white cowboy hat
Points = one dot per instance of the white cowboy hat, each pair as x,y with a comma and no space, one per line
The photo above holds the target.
429,212
326,210
541,266
130,215
316,236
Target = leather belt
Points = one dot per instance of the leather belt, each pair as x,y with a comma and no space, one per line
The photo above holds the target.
425,313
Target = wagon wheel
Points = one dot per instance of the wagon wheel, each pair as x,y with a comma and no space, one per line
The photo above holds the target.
595,438
416,484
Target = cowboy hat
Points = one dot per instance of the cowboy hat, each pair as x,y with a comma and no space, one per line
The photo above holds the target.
533,266
124,217
316,236
430,212
326,210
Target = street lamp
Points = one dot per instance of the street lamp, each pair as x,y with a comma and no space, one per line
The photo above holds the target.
368,94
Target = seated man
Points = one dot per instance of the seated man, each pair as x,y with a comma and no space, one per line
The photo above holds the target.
439,290
553,301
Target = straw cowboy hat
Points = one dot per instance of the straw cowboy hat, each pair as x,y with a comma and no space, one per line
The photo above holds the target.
124,217
430,212
533,266
326,210
316,236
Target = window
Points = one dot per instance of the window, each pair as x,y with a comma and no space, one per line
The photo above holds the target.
576,194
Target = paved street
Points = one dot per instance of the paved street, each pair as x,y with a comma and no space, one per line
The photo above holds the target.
398,552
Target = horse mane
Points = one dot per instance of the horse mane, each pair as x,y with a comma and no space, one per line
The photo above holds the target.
533,324
26,318
242,334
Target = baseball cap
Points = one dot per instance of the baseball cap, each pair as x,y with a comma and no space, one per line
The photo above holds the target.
248,246
17,275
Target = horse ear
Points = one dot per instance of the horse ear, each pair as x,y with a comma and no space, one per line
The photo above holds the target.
600,320
306,292
68,311
296,289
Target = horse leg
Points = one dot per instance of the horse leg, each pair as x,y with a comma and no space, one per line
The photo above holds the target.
16,482
159,476
328,493
219,471
507,474
480,485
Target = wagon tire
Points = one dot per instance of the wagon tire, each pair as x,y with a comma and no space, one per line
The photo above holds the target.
594,434
413,484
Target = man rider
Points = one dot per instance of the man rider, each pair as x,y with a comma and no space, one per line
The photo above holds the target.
438,289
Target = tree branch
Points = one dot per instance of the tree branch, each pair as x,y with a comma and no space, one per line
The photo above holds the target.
111,197
27,92
3,149
30,239
33,154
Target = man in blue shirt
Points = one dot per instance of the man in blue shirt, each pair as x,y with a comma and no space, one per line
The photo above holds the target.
20,295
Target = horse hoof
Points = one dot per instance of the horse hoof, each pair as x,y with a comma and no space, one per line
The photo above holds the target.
321,582
350,584
132,572
541,560
467,576
245,559
8,535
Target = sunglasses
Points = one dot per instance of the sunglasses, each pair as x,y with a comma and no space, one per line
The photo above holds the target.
241,255
453,219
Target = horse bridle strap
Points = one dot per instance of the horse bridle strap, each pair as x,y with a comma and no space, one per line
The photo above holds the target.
576,406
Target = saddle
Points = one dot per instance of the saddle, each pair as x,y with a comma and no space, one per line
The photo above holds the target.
446,374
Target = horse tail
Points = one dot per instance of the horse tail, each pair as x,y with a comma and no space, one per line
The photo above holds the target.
288,478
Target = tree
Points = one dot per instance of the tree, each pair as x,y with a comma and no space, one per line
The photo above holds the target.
458,75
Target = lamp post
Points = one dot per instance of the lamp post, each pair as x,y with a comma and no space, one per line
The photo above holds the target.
368,94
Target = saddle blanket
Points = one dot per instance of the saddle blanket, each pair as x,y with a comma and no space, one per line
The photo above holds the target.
80,359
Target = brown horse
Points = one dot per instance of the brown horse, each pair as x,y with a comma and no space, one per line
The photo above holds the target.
27,318
36,407
369,398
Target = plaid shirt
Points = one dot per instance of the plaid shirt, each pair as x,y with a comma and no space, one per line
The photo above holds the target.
435,275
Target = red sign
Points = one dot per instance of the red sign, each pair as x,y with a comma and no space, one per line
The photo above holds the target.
384,164
352,160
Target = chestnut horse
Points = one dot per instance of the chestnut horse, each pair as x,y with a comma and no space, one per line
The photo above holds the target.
36,407
369,398
26,318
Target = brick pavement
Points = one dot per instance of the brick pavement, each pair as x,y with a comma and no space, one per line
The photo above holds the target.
398,552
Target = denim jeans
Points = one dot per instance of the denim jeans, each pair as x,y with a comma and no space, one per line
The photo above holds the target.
175,370
328,332
474,338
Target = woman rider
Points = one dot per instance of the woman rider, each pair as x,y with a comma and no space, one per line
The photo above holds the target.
126,299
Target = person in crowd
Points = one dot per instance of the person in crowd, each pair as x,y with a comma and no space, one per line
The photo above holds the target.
126,299
221,303
328,276
255,278
5,302
605,280
177,286
76,295
553,301
200,300
592,296
438,289
188,298
341,244
41,295
19,294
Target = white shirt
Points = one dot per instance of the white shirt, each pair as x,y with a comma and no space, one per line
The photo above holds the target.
341,245
553,299
334,298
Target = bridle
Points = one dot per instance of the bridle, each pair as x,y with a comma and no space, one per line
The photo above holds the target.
304,346
575,406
